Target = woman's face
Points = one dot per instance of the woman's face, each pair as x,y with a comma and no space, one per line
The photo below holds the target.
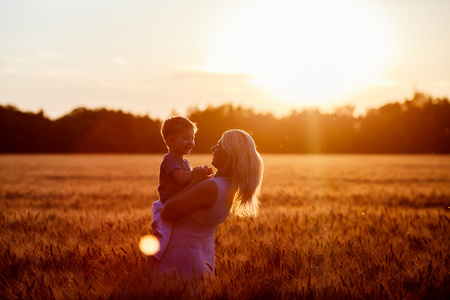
220,157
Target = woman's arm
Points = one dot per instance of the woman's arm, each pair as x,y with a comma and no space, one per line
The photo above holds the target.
201,196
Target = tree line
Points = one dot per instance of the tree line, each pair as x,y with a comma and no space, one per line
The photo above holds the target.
417,125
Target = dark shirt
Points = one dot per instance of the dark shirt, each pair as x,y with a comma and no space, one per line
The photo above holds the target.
167,184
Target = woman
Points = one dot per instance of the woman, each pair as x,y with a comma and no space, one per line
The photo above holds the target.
197,211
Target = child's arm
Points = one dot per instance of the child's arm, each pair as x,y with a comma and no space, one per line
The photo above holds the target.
181,176
198,174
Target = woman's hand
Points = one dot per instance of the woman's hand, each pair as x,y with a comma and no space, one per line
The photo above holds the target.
201,173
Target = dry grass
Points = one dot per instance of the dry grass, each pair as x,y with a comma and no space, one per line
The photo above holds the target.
369,226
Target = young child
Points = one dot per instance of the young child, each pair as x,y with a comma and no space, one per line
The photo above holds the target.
175,172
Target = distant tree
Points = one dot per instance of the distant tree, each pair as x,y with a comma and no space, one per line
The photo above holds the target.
213,121
104,131
25,132
417,125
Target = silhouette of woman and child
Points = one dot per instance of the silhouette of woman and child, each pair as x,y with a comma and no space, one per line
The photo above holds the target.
194,202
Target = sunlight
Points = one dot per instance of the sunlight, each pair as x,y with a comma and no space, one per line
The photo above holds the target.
149,245
303,52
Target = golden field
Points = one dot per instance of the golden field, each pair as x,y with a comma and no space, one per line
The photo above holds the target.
330,226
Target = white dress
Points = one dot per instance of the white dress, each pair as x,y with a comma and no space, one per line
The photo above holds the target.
190,251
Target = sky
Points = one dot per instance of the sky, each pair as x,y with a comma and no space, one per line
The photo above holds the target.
164,57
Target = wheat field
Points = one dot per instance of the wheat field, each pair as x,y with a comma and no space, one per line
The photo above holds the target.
330,226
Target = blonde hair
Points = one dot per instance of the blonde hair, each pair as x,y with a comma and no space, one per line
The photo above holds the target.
176,125
247,170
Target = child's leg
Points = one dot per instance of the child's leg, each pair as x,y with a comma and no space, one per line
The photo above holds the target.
163,230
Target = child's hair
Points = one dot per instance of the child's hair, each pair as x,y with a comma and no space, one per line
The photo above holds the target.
175,125
247,171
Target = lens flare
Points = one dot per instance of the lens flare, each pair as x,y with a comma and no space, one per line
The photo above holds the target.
149,245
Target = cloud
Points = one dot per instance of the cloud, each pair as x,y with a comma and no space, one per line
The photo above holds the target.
196,80
204,75
15,59
48,54
42,56
42,73
119,61
385,82
9,70
133,86
443,83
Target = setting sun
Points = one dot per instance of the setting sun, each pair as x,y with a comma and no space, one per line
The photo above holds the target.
304,52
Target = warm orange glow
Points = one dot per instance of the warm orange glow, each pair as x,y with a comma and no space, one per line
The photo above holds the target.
304,52
149,245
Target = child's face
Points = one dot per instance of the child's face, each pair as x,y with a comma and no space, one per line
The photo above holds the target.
182,143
